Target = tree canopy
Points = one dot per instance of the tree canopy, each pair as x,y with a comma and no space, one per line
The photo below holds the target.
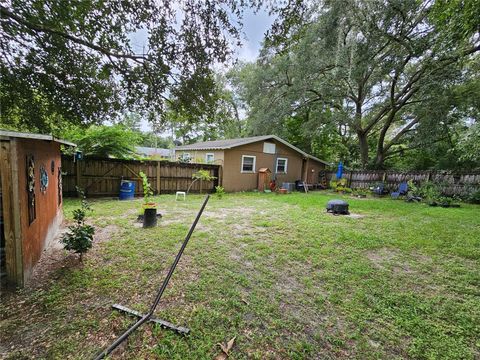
76,62
373,79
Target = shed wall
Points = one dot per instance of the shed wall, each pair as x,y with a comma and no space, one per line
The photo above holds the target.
36,235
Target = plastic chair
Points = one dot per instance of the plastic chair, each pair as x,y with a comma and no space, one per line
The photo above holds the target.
181,193
402,190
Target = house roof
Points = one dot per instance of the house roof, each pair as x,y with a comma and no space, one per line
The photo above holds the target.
151,151
16,134
232,143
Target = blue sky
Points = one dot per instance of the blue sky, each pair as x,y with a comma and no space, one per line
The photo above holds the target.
255,26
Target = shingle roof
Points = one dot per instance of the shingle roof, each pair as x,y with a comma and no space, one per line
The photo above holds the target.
231,143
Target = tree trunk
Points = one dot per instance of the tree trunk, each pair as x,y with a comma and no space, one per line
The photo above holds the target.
379,159
363,146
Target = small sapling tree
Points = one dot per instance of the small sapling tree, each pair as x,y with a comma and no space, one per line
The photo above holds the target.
202,175
80,235
147,192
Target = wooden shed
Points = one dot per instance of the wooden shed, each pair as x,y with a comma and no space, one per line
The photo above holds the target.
30,201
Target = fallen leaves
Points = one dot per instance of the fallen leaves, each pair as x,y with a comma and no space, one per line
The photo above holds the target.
225,349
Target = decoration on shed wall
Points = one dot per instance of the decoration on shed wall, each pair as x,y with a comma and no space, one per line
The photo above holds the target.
59,182
43,179
31,188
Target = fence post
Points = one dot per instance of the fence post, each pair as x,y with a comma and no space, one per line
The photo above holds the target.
158,178
78,176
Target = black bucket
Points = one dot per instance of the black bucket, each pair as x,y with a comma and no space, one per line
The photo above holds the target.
150,218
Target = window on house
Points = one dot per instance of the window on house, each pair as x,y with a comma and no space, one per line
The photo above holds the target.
268,148
209,158
248,163
282,165
185,157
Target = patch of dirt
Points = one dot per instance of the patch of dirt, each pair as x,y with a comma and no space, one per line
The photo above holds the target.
355,216
419,267
54,257
104,234
381,257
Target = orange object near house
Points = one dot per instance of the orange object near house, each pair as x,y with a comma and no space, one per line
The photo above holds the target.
283,191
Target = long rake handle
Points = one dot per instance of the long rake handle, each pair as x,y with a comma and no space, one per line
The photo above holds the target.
147,316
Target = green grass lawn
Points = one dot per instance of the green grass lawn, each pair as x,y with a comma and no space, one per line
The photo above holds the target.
400,280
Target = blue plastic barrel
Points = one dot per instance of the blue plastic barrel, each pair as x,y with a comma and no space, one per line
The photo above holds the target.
127,190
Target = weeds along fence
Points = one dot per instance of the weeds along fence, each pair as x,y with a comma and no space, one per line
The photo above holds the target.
449,182
101,177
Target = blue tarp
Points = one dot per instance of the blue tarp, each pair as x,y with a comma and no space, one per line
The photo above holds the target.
340,170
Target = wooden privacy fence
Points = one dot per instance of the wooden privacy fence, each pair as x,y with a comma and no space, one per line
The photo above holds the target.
451,183
102,177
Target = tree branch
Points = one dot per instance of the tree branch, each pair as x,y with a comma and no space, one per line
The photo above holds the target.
38,28
400,134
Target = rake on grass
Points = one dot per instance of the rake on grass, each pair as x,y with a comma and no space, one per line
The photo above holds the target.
143,318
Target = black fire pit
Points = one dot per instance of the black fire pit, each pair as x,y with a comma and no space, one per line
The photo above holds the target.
337,207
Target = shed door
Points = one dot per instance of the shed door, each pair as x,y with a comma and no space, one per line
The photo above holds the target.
312,176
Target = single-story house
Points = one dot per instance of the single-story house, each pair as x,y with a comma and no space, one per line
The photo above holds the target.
154,153
241,159
30,201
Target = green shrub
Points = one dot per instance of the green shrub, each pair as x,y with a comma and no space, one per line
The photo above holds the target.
80,235
430,191
360,192
340,185
474,197
220,191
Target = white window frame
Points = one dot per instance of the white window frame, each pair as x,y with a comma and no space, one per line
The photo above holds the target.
286,166
253,167
267,145
185,155
206,157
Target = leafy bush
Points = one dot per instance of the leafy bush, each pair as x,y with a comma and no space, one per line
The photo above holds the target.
333,184
340,185
147,188
80,235
220,191
413,189
474,197
429,191
360,192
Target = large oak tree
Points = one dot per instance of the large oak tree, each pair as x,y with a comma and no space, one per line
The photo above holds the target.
376,71
75,61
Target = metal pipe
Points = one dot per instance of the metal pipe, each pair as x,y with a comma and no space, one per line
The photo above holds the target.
147,316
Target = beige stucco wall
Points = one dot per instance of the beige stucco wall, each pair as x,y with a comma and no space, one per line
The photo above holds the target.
198,156
232,178
235,180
